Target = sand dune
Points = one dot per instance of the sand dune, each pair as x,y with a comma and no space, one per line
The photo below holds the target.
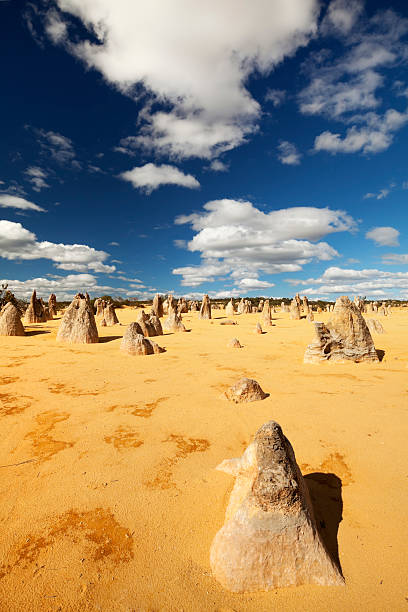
109,494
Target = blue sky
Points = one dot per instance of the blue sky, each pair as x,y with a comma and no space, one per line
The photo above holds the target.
229,148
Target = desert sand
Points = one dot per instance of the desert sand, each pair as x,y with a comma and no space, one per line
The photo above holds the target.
109,494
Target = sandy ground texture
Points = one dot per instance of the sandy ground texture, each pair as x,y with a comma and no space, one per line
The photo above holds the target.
109,497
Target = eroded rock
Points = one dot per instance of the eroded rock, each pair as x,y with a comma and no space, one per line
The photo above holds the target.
234,343
78,323
10,321
245,390
269,538
134,342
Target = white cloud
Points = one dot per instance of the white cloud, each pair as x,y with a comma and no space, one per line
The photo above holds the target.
18,243
369,282
383,193
276,96
37,177
114,243
342,15
251,284
374,137
288,153
150,177
384,236
193,58
235,238
392,258
218,166
58,147
350,83
12,201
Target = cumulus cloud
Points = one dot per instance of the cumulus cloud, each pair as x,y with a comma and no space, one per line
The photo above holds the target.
12,201
237,240
369,282
192,59
384,236
288,153
349,84
150,177
36,177
18,243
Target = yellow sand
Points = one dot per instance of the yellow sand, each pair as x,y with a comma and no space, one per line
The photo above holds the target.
109,496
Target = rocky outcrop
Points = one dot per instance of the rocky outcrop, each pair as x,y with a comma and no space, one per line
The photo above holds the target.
78,323
35,312
306,307
295,308
174,323
260,306
205,310
266,314
99,306
258,329
194,306
345,337
109,314
157,306
234,343
150,325
359,303
229,309
52,305
10,321
375,326
245,390
269,538
182,306
134,342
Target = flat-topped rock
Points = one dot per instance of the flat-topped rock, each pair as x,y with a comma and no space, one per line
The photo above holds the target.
269,538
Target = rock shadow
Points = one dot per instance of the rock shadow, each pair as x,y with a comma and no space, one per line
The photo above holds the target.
108,338
325,493
37,332
380,354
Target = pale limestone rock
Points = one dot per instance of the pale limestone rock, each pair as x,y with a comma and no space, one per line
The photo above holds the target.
359,303
234,343
194,306
78,323
240,307
229,309
310,316
182,306
306,307
10,321
375,326
99,304
134,343
245,390
157,306
345,337
258,329
228,322
260,305
174,323
35,312
266,314
109,315
295,308
150,325
52,305
205,310
269,538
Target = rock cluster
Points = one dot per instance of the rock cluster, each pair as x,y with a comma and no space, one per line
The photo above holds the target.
78,323
10,321
150,325
134,342
35,312
245,390
269,538
345,337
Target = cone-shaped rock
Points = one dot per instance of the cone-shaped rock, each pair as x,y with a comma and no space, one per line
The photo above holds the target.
52,305
174,323
10,321
258,329
35,311
78,323
375,326
295,309
205,310
345,337
234,343
269,538
134,342
109,315
229,309
157,306
245,390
